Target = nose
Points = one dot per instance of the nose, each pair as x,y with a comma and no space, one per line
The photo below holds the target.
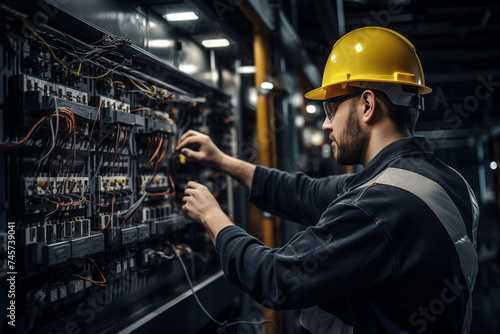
327,125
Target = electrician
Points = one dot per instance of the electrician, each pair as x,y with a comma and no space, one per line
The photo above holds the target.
389,249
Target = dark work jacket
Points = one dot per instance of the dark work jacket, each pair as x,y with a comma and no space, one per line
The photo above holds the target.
377,258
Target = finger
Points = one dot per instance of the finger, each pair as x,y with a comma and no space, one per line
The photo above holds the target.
192,154
189,191
187,138
187,134
193,185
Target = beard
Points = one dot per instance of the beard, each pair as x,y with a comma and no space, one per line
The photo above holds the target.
352,143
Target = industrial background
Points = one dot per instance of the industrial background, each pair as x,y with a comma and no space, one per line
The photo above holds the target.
98,92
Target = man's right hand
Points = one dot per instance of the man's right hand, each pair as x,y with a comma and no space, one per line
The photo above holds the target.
200,147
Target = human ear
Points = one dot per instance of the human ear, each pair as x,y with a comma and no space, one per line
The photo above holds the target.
369,102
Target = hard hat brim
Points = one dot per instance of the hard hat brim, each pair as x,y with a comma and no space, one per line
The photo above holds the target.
342,88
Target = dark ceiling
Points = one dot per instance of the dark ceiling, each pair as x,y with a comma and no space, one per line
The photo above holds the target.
458,43
455,41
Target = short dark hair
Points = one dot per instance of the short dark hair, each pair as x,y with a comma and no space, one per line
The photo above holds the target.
404,118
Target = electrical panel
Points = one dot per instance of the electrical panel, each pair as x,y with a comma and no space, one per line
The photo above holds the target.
91,182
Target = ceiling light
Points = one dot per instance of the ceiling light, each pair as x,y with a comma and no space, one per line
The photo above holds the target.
215,43
160,43
188,68
299,121
266,85
493,165
181,16
250,69
317,138
311,109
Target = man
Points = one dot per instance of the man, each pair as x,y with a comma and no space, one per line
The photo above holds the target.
387,249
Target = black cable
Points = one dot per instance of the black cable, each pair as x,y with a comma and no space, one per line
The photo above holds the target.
225,324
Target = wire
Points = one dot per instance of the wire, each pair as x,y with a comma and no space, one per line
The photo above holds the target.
101,283
148,92
101,205
118,140
140,88
221,329
110,215
72,126
95,120
63,64
50,214
70,203
114,237
191,285
25,139
150,162
222,325
165,192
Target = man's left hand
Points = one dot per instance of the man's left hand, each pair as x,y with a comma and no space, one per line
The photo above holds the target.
201,206
199,202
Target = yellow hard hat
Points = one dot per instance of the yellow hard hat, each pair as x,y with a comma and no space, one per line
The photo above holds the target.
370,55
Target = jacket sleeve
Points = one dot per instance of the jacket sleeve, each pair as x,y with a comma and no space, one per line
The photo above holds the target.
298,197
345,252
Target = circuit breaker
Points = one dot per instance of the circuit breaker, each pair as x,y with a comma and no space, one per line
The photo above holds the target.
91,178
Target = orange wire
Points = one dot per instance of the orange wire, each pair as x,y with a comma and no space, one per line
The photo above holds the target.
69,117
118,143
110,216
70,203
73,127
163,156
63,204
25,139
165,193
125,139
103,282
156,152
101,205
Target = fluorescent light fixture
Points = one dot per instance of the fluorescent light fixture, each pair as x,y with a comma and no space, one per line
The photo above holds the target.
266,85
250,69
311,109
252,96
160,43
299,121
215,43
181,16
188,68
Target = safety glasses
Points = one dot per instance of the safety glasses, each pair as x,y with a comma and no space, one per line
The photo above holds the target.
330,106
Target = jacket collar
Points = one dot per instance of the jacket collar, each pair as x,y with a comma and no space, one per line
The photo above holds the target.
415,147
